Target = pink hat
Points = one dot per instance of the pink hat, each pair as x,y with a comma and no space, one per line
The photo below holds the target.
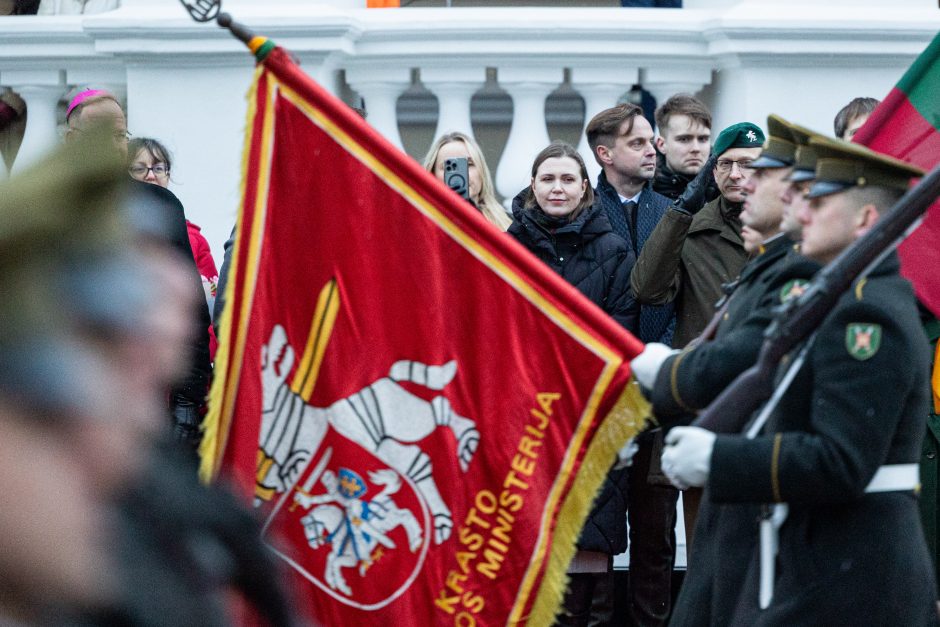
82,96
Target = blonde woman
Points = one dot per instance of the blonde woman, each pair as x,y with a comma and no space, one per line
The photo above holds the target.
482,195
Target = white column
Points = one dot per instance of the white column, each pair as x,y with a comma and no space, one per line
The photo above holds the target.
454,87
601,88
41,90
528,87
380,89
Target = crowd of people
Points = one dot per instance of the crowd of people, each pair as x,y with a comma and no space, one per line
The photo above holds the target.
690,241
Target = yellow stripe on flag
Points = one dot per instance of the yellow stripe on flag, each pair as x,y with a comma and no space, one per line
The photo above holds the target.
321,327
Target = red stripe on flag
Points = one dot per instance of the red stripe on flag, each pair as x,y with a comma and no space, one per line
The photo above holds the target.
896,128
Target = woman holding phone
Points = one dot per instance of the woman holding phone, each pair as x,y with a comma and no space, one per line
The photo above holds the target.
480,183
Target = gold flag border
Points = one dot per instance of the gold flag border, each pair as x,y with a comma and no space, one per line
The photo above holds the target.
626,419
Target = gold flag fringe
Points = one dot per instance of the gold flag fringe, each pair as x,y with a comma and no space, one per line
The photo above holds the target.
210,453
628,417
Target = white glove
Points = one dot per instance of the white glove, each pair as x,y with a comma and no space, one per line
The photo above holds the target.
687,457
625,454
646,365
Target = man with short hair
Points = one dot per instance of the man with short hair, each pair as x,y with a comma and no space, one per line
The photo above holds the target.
851,117
622,142
684,124
841,458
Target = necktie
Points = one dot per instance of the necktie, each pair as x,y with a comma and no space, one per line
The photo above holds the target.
629,212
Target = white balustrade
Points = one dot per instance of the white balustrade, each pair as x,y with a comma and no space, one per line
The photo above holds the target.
41,90
601,89
454,87
750,56
528,87
380,89
664,82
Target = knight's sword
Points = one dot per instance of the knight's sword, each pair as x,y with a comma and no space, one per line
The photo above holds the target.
314,476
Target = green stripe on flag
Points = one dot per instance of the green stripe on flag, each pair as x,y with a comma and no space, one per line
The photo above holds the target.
921,83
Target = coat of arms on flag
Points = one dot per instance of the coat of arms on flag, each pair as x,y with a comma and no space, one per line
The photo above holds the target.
420,410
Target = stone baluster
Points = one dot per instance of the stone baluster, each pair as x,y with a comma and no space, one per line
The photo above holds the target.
601,89
454,87
666,82
528,87
41,90
380,88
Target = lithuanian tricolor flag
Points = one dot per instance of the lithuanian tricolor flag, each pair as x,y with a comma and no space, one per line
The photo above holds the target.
907,125
419,409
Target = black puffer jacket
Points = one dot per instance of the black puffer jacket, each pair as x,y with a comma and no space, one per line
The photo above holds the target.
587,254
597,261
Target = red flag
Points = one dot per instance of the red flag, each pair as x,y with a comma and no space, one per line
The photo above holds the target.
906,125
421,410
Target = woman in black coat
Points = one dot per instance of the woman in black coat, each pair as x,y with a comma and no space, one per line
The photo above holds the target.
556,219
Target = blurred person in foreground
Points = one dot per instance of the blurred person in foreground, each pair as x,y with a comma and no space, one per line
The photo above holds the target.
186,397
111,527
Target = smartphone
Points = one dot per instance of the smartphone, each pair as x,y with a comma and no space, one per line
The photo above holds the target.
457,177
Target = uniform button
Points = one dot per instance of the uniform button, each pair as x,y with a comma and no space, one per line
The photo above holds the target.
931,454
561,259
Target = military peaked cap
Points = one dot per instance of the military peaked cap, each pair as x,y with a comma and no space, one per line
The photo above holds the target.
842,165
779,149
804,166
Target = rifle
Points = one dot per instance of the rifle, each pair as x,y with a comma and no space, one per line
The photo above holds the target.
796,319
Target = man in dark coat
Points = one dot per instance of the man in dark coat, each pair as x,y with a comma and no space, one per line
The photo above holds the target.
621,140
684,125
841,458
696,249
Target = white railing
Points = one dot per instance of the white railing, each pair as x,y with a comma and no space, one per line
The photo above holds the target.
184,83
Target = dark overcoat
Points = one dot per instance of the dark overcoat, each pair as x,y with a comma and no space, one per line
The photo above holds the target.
846,556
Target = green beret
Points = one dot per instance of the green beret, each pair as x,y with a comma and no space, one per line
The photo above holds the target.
740,135
841,165
779,149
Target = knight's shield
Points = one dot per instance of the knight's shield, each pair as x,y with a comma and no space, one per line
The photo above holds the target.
358,531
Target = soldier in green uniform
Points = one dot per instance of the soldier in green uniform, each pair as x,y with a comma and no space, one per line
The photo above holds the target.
681,383
689,380
838,455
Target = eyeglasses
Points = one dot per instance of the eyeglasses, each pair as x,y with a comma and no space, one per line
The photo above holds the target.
725,165
140,170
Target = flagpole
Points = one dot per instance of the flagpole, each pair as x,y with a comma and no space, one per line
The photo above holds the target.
260,46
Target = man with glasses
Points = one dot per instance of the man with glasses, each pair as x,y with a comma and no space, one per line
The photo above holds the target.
697,247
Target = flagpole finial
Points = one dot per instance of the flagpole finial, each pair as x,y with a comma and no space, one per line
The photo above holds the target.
260,46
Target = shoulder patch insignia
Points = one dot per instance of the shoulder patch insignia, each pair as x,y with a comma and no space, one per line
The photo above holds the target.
862,340
792,289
